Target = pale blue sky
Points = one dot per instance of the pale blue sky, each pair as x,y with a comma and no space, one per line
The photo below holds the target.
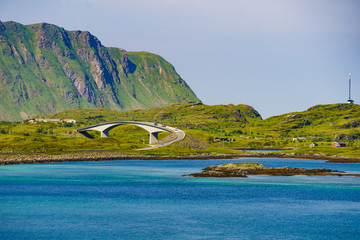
278,56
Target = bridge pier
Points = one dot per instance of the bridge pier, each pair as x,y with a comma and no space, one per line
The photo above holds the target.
105,133
153,137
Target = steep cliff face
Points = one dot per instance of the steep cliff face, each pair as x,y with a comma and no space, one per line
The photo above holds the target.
45,69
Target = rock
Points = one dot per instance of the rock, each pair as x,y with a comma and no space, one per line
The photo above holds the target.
244,169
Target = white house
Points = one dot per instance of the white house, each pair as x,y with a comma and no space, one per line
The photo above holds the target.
48,120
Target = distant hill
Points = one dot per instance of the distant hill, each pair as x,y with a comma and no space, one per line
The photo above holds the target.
328,122
185,115
333,121
46,69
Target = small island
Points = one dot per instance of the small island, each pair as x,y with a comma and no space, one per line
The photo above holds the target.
254,168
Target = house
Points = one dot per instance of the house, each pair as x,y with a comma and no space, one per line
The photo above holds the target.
51,120
68,120
314,144
47,120
339,144
299,138
43,120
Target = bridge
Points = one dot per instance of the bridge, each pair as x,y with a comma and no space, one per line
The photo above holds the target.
152,128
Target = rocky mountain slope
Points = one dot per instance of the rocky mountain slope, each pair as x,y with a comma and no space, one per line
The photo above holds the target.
46,69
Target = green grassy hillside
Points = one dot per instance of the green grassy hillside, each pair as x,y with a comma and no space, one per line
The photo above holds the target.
203,124
192,117
184,115
328,122
46,69
322,122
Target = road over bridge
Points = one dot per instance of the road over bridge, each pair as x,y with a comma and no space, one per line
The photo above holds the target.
152,128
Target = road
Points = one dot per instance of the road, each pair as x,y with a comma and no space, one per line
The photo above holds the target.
180,136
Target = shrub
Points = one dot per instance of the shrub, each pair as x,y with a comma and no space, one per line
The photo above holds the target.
237,132
35,139
68,124
210,139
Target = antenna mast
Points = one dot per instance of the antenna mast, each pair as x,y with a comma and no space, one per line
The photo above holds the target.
349,86
350,100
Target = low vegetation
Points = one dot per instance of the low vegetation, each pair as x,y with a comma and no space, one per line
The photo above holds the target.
207,128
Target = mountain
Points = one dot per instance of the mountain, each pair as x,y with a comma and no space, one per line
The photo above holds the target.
46,69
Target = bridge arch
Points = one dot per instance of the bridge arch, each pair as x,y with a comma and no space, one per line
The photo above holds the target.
104,128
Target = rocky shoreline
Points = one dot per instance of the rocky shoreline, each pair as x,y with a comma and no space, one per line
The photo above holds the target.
9,159
244,169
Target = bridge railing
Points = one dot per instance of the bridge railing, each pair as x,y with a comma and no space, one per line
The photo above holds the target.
150,124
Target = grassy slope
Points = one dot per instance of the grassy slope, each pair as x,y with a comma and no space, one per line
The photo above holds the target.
185,115
63,137
46,136
321,121
41,65
162,84
322,124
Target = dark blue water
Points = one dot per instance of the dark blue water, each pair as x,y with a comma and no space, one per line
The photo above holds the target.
150,200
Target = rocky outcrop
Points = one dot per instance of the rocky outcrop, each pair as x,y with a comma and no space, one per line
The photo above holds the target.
244,169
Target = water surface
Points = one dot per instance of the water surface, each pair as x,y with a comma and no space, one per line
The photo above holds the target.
150,200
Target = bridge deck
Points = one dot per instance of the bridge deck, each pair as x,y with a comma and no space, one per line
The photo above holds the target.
152,128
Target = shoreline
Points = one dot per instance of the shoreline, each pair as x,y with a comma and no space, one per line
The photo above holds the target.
13,159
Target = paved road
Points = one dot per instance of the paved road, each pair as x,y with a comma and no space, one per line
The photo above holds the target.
180,136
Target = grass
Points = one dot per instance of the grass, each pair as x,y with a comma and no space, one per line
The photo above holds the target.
56,137
244,165
247,129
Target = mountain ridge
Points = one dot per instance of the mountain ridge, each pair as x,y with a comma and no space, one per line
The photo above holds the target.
45,69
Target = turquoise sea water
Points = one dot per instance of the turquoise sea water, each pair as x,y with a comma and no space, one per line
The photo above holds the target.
150,200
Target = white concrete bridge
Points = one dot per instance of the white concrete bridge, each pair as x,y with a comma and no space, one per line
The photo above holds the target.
152,128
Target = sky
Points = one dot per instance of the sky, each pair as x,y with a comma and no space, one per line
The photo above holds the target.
278,56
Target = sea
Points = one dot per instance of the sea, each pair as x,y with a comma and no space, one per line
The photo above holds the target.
150,199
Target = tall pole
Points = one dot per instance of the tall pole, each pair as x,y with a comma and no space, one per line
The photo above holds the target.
349,86
350,101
